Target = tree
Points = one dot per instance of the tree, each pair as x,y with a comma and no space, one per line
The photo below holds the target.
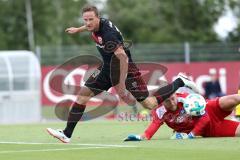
167,20
143,21
13,31
50,18
234,36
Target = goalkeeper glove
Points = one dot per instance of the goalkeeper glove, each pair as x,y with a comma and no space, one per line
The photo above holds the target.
179,135
133,137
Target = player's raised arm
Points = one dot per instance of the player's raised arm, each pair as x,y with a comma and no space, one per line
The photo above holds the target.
73,30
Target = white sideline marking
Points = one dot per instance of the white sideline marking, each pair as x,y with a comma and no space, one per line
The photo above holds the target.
49,150
74,144
91,146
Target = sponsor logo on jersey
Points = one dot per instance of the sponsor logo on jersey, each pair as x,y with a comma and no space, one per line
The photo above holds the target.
180,119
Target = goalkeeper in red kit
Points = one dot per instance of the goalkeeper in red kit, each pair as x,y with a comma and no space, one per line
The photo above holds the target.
211,124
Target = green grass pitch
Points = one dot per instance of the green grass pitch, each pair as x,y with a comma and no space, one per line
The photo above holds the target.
103,140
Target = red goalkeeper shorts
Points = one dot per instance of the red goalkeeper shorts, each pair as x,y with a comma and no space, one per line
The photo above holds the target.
219,127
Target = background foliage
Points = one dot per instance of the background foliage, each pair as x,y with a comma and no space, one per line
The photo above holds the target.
152,21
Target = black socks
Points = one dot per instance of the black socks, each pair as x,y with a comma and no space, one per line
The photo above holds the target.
166,91
75,114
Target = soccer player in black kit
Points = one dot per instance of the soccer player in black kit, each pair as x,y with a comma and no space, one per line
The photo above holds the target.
109,42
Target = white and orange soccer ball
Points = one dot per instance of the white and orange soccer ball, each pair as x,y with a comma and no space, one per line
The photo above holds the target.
194,104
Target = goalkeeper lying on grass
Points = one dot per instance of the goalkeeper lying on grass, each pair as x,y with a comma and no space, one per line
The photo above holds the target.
208,122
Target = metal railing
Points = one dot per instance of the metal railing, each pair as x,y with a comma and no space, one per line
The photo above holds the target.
185,52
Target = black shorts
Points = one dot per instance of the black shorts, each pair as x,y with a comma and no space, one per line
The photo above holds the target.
101,81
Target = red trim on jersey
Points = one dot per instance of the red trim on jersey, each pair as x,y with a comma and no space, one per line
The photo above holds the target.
95,38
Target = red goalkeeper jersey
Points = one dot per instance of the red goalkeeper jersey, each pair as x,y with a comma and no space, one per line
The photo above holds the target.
177,120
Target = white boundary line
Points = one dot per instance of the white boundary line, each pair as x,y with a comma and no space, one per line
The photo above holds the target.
88,146
50,150
73,144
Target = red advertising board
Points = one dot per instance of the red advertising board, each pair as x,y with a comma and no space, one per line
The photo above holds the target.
228,72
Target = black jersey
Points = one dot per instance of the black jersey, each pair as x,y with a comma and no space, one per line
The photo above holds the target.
107,39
